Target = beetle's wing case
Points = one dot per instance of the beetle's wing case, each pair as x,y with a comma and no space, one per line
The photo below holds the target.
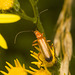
45,50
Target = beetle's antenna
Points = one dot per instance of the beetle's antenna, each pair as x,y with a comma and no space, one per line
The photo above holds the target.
43,11
20,33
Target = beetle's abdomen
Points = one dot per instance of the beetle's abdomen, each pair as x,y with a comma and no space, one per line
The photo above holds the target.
45,49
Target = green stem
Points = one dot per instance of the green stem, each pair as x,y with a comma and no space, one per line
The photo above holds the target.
28,18
25,16
37,17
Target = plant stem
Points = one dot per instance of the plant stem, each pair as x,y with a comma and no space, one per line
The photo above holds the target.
37,17
25,16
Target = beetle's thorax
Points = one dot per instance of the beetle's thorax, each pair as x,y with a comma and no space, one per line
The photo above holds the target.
38,34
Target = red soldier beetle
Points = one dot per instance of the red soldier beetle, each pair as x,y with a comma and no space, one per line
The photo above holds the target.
43,44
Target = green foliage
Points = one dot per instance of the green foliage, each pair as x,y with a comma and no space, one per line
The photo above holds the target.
16,5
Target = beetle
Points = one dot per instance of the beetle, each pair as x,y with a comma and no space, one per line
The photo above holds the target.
44,46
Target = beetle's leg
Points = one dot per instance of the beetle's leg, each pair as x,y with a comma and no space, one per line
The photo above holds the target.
34,41
35,44
47,40
51,46
42,34
39,54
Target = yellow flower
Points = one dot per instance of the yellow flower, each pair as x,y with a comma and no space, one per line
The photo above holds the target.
6,4
41,63
38,72
41,60
17,70
9,18
3,43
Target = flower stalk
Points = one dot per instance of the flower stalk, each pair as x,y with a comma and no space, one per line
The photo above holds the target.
36,15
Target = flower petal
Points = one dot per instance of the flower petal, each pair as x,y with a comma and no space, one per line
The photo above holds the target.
3,43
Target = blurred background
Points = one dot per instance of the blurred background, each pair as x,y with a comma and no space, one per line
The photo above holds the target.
21,49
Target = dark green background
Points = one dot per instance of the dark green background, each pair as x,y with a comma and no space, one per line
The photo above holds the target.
21,49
